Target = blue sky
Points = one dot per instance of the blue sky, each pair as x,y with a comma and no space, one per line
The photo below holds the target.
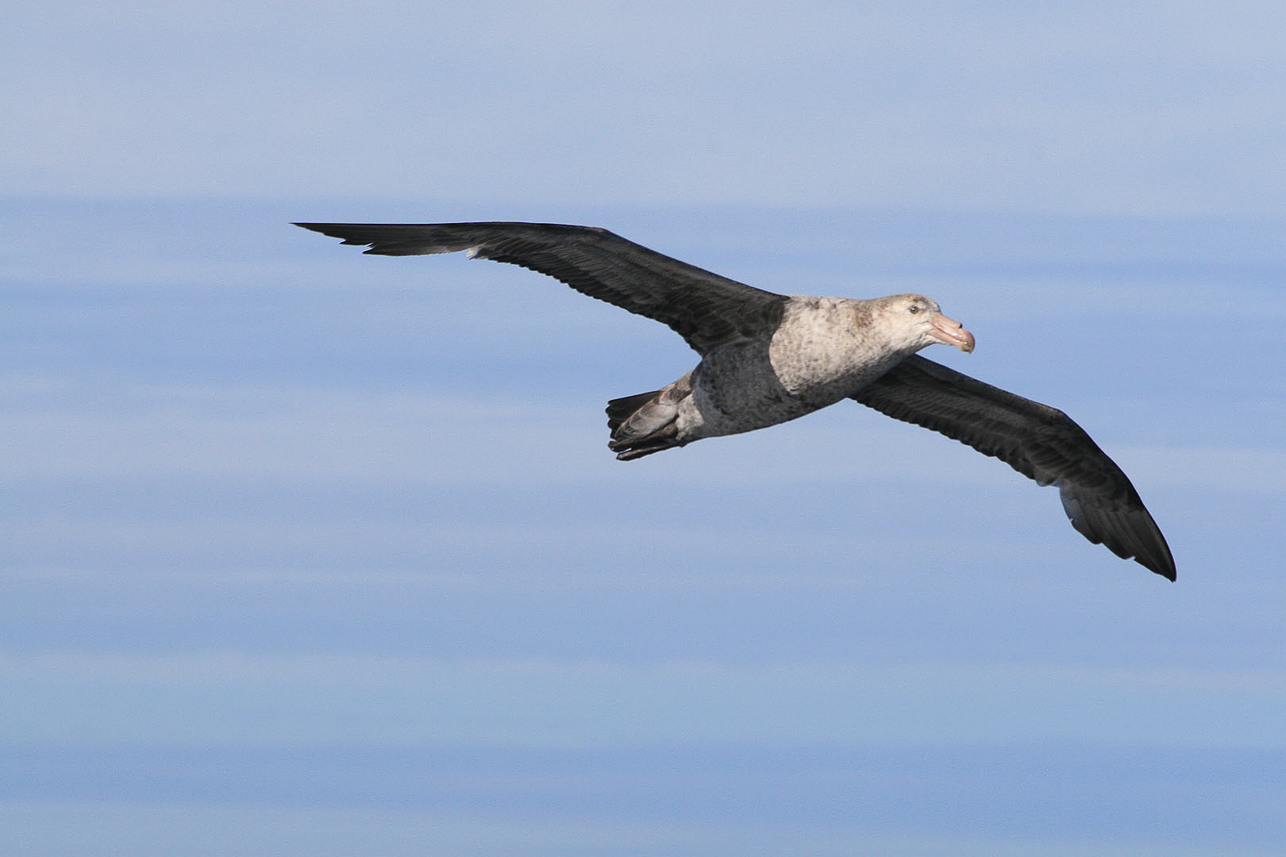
311,552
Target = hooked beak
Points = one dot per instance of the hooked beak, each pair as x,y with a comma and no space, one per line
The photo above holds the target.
951,332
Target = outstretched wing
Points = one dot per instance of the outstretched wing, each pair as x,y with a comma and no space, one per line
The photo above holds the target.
704,308
1038,441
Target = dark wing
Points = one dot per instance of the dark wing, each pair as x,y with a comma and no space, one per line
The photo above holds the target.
1038,441
704,308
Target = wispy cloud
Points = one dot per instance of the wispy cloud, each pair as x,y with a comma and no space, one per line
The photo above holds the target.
221,698
1054,109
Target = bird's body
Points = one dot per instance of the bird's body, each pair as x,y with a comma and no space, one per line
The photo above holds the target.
824,350
768,358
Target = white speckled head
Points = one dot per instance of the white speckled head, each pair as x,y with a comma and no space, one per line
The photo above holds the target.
915,322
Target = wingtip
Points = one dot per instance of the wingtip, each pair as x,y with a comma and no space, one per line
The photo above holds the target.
1162,565
1158,558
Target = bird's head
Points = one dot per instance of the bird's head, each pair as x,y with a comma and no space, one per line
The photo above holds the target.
917,322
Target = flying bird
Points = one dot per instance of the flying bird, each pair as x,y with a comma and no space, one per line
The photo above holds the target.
767,358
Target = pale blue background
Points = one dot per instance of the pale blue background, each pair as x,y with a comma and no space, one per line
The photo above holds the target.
306,552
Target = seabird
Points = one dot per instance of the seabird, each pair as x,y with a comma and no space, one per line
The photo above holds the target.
767,358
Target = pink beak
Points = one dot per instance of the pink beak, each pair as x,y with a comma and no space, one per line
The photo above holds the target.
951,332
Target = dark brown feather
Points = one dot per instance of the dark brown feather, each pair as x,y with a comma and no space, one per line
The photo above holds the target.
1038,441
704,308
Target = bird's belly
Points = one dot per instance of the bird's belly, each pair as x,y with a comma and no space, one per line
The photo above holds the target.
712,413
738,390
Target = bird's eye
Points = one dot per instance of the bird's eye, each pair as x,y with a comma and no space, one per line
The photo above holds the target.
913,309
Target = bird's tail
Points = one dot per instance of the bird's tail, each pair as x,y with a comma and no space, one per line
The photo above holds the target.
620,410
644,423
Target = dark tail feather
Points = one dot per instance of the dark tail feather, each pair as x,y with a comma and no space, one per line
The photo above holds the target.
648,422
619,410
630,450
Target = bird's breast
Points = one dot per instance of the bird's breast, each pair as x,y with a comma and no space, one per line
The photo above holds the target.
820,355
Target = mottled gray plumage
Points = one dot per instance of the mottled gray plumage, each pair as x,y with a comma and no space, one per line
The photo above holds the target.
768,358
